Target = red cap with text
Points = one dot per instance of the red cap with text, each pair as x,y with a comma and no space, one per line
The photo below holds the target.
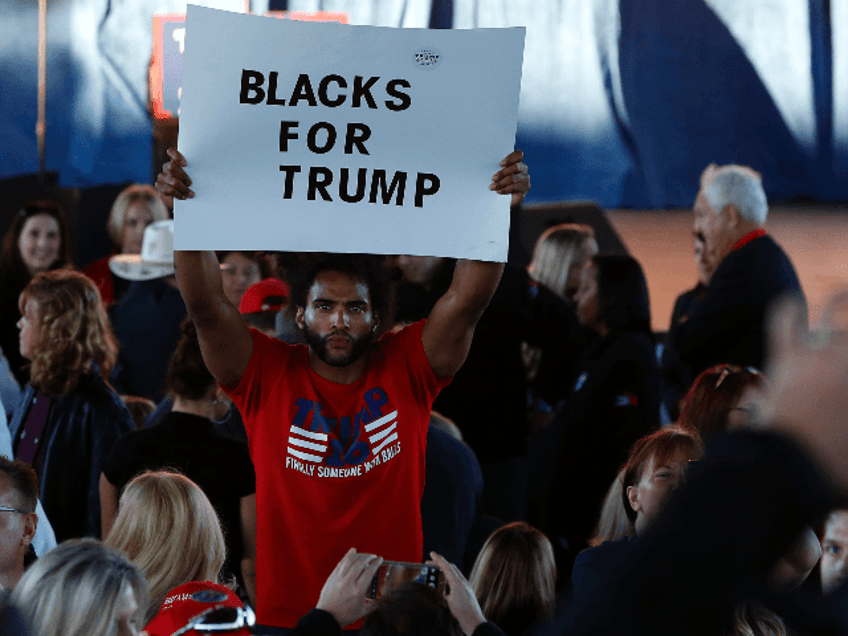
201,602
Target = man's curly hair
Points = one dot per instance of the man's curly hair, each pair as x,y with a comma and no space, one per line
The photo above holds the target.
74,331
367,268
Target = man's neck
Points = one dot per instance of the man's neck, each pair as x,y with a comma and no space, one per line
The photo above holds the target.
10,576
340,375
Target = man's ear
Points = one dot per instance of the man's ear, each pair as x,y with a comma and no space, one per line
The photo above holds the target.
633,498
30,526
298,317
733,216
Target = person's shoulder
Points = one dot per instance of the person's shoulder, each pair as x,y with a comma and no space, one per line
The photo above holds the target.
604,553
400,338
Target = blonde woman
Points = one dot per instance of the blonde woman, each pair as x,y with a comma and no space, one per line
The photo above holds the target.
135,208
514,577
81,588
168,528
68,417
559,257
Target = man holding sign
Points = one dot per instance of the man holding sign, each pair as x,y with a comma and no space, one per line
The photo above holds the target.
337,429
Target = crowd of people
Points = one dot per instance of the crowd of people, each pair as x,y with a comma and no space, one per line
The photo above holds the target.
244,441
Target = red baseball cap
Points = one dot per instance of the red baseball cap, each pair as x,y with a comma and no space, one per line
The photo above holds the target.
256,296
198,608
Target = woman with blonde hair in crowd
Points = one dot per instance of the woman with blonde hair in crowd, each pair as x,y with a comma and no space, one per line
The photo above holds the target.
68,417
558,259
514,578
136,207
559,256
168,528
81,588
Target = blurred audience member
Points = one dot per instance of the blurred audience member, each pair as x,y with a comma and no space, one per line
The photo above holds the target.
614,401
240,270
140,408
188,441
726,398
675,376
169,530
147,319
834,545
82,588
10,390
261,303
18,518
751,271
721,398
38,240
514,578
136,207
453,490
68,417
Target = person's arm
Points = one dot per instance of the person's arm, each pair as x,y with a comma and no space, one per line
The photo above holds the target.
225,339
248,534
108,505
450,325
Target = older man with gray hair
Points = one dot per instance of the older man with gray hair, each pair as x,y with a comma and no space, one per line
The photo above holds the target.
751,271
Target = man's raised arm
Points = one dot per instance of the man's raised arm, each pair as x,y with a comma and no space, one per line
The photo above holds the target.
225,339
450,326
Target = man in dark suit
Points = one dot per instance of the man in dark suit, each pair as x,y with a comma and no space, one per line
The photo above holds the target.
752,271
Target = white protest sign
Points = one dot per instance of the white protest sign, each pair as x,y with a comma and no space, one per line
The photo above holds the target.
326,137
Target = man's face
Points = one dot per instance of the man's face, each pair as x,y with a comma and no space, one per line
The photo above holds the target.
15,535
714,229
338,321
834,560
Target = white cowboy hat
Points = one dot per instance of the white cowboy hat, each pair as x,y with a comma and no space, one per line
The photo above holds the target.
157,255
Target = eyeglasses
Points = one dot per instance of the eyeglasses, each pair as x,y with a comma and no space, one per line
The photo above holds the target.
219,619
8,509
732,368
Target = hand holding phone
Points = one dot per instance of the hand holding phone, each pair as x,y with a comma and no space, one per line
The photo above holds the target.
393,574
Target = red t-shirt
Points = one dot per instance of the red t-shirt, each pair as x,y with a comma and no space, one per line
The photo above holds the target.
337,465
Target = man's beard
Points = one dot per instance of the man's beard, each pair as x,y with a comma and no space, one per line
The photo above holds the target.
318,344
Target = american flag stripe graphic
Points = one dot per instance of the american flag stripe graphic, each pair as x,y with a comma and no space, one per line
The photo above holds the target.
380,422
304,444
386,442
376,438
384,431
307,457
300,438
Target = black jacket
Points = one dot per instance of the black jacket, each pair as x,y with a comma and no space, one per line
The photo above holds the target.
80,430
728,324
614,402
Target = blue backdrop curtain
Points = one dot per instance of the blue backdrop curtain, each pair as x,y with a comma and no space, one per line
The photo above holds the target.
624,102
